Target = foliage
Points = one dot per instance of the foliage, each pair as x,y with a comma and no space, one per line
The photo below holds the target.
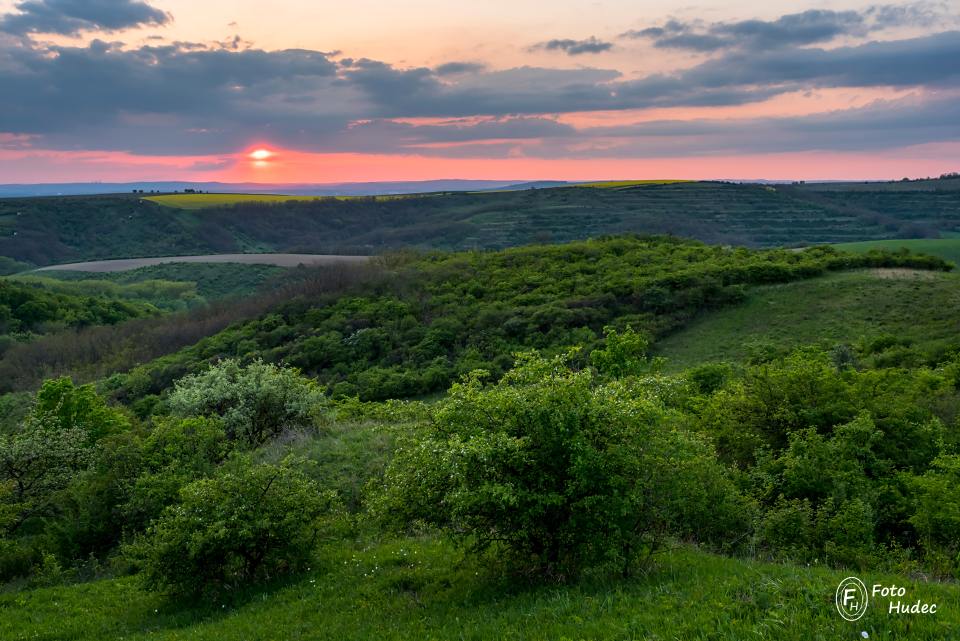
29,308
561,472
172,285
857,308
247,524
445,315
937,515
35,463
255,402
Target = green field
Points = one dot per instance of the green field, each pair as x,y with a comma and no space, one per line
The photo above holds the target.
839,308
202,201
946,248
205,201
620,184
422,589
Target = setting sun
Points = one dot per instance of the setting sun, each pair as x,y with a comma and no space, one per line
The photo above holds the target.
261,154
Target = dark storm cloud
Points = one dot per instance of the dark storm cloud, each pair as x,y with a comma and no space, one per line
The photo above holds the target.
815,26
69,17
575,47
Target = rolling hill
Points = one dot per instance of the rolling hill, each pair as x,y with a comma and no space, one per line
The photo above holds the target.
876,309
46,231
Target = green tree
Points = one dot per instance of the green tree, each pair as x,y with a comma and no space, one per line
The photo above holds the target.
560,471
255,402
35,463
247,524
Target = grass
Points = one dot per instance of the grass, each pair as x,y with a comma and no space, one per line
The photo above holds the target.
193,202
836,308
202,201
946,248
423,589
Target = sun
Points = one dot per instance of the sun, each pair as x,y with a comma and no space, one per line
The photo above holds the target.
261,154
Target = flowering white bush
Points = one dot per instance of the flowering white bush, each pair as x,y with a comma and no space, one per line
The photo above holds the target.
256,402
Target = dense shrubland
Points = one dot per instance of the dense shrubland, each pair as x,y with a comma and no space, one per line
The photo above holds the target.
560,450
557,468
441,316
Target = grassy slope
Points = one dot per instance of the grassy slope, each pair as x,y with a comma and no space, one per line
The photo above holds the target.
835,308
421,589
946,248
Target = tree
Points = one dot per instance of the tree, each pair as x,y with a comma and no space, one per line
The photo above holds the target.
256,402
36,463
558,471
247,524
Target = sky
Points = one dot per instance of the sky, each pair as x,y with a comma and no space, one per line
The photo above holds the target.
376,90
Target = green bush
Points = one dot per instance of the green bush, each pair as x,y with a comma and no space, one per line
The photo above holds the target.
255,402
248,524
560,472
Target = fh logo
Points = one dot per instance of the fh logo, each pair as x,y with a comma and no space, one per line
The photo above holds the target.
852,598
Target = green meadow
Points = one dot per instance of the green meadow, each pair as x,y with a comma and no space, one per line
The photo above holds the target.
946,248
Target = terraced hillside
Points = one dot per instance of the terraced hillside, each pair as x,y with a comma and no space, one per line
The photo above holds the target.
45,231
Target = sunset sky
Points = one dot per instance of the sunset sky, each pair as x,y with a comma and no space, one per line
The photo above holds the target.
372,90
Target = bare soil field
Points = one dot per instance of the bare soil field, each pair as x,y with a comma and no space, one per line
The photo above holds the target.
280,260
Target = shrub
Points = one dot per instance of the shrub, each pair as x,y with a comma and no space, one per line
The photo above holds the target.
255,402
175,453
558,471
35,464
250,524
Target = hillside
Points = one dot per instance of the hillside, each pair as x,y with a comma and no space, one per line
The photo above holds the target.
250,464
945,248
892,309
46,231
420,589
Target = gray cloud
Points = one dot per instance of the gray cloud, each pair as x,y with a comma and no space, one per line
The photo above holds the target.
186,98
69,17
575,47
815,26
455,68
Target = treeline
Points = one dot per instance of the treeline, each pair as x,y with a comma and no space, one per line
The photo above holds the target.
95,352
29,309
444,315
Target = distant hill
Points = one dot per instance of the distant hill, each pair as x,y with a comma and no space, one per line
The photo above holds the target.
320,189
55,230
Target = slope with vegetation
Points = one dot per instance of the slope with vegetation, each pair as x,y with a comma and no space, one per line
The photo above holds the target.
442,315
567,485
887,315
47,231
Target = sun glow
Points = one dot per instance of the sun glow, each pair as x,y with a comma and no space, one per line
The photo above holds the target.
261,154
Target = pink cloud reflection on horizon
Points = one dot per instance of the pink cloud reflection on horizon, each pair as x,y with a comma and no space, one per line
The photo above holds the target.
28,165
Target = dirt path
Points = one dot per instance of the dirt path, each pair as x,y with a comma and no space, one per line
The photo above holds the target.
281,260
